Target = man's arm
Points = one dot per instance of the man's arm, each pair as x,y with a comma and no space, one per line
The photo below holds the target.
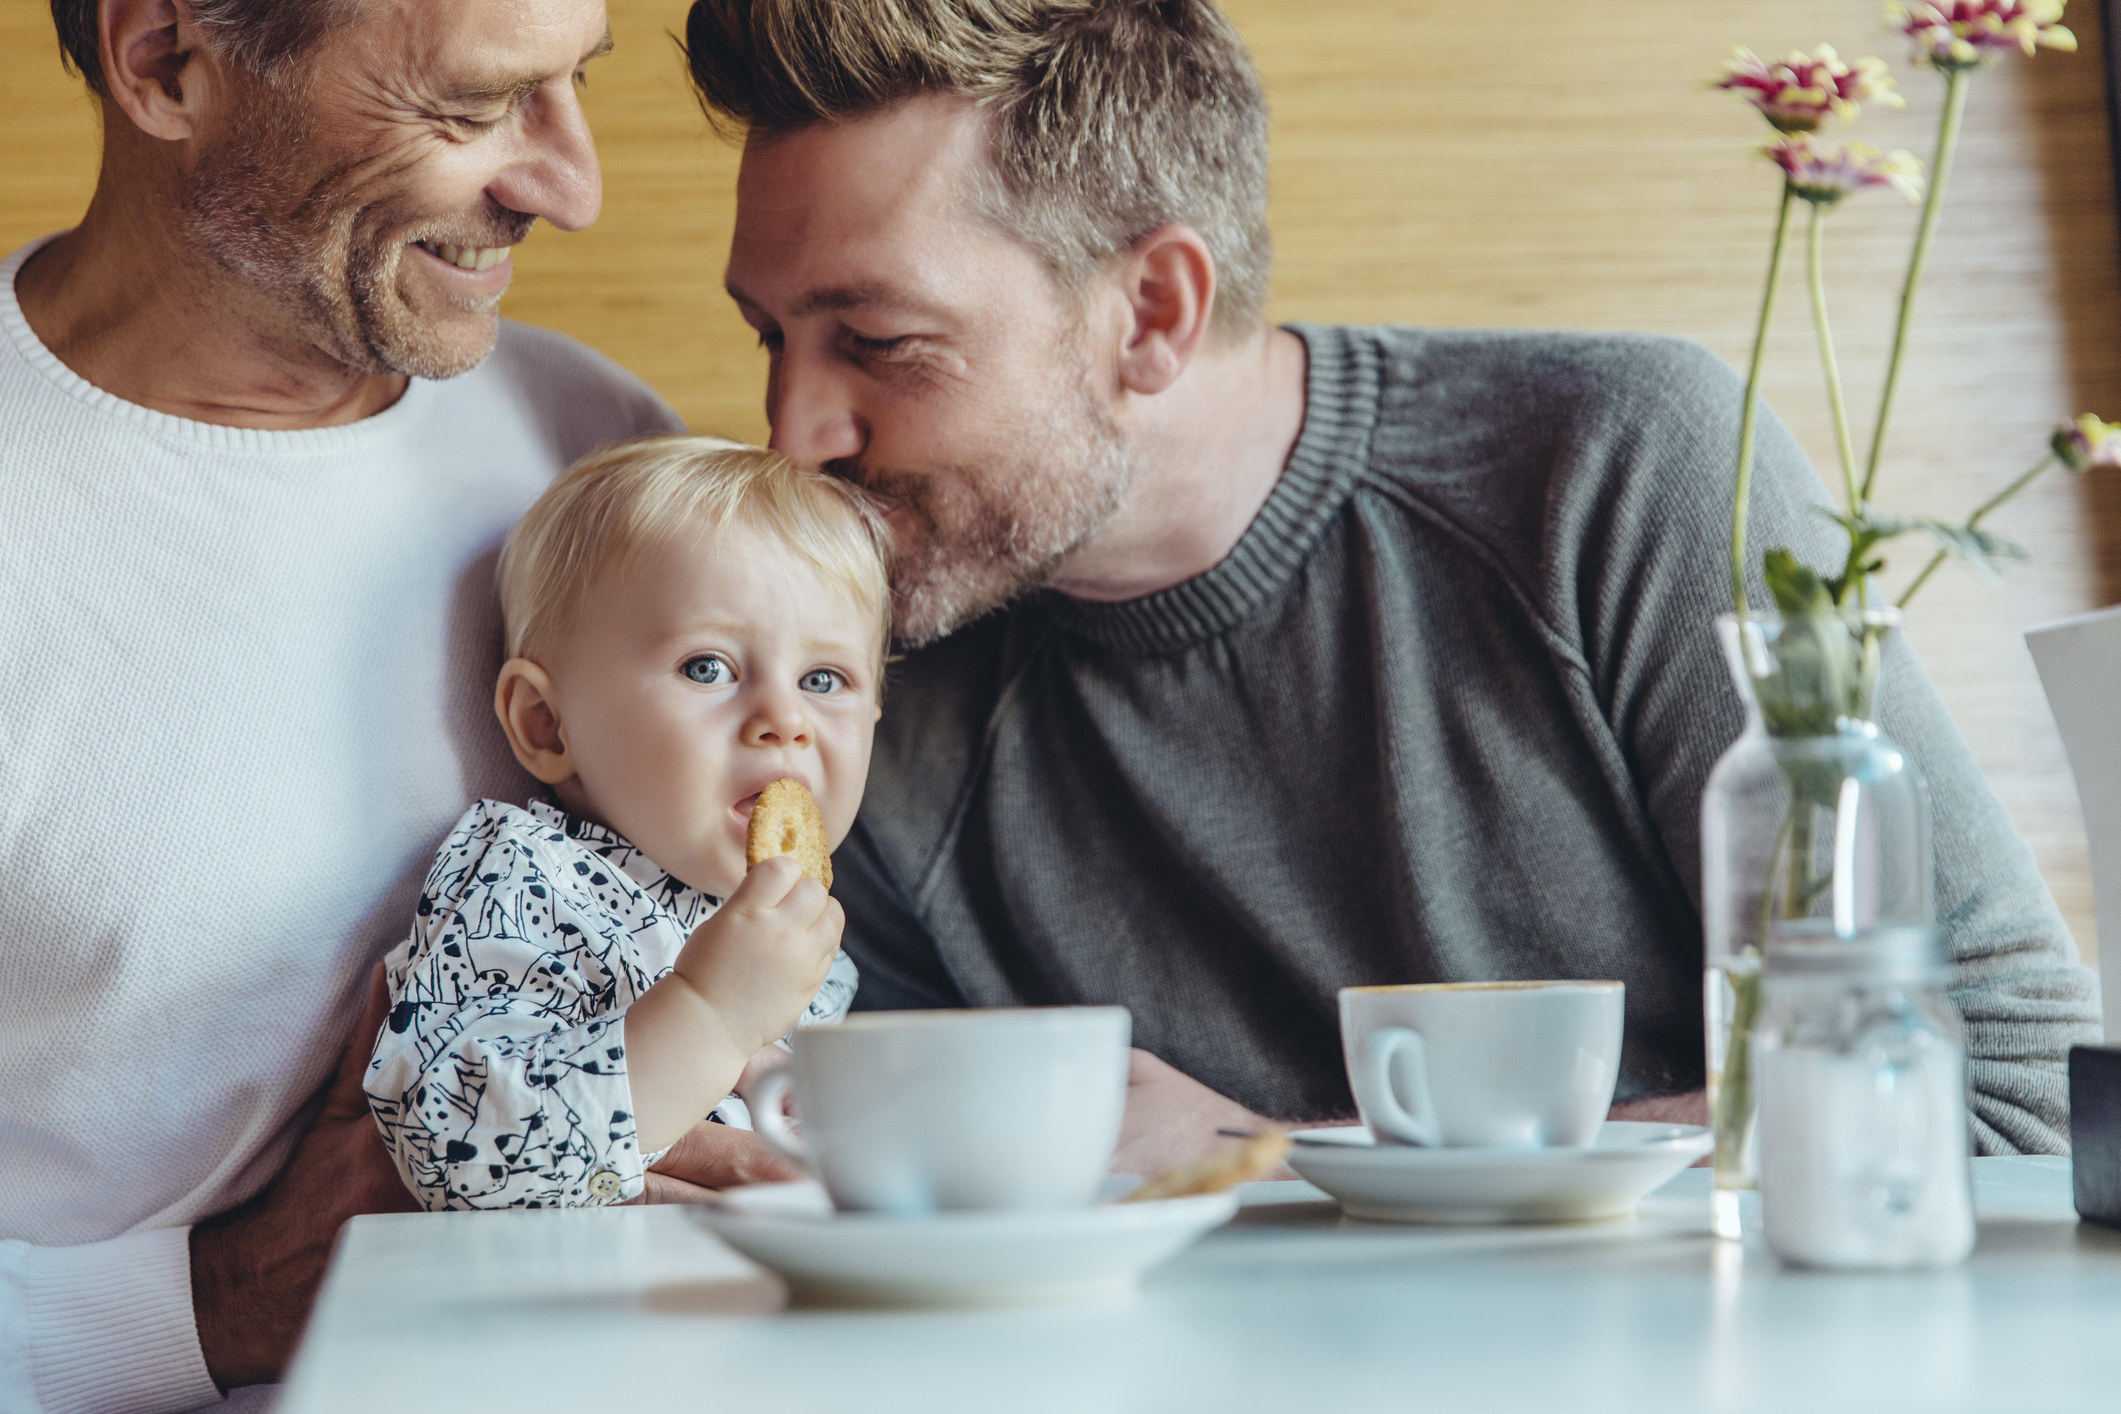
255,1270
102,1325
157,1320
1642,570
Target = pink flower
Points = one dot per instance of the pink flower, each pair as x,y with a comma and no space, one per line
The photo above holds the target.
1823,175
2087,443
1801,91
1961,34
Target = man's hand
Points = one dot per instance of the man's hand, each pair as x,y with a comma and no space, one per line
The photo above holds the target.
712,1156
1173,1119
254,1271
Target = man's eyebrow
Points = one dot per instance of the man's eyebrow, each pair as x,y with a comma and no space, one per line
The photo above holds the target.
838,298
508,90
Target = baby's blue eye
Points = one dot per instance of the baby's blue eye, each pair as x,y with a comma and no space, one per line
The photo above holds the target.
821,680
708,670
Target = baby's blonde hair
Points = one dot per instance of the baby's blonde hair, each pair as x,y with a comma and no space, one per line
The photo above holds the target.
616,506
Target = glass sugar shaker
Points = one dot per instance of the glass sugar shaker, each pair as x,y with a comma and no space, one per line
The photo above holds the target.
1864,1153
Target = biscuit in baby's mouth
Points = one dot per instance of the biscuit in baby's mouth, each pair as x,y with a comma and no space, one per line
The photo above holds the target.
786,821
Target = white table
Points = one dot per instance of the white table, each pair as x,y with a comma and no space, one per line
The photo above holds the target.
1291,1308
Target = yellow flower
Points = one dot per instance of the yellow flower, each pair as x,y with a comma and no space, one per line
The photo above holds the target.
1799,92
2087,443
1962,34
1823,175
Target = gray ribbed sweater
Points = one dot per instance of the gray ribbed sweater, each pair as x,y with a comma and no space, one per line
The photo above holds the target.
1443,713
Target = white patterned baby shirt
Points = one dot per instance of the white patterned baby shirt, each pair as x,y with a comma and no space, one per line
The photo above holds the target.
499,1080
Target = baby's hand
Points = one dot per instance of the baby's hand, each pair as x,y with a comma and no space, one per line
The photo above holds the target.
761,958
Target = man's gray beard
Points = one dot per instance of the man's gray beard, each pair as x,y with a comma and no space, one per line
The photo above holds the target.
289,236
999,531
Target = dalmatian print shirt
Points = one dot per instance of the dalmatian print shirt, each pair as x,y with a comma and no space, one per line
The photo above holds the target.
499,1080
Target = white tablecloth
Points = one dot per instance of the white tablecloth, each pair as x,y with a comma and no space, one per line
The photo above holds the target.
1290,1308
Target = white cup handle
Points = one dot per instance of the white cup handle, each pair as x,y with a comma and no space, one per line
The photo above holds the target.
1380,1054
767,1098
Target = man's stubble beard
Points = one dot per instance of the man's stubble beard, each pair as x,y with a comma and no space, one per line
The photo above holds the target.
306,241
992,533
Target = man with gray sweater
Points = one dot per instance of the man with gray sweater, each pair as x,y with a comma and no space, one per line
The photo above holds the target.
1250,663
261,433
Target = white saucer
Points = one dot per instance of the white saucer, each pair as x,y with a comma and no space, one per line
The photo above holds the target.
1403,1184
956,1259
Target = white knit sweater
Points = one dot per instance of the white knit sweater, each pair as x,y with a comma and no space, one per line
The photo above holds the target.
244,691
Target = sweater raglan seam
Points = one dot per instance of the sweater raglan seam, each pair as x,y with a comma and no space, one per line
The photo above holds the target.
1642,823
976,771
1412,500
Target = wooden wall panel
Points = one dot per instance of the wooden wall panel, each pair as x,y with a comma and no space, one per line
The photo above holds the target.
1536,163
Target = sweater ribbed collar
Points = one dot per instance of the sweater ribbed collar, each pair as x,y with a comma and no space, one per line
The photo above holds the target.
16,335
1340,412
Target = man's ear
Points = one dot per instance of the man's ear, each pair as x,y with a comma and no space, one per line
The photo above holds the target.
151,53
522,699
1168,279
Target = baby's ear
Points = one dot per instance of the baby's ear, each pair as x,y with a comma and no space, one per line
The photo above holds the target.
523,700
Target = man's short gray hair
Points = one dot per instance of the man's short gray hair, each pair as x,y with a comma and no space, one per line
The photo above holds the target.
261,36
1108,118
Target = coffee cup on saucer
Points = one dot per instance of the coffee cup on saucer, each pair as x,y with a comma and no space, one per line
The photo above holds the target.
1513,1065
930,1111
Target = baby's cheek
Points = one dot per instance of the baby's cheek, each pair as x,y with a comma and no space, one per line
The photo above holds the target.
847,779
727,868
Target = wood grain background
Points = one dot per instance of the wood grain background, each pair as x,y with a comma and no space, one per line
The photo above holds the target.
1544,163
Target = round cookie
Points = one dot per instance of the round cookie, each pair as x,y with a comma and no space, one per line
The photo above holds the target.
786,821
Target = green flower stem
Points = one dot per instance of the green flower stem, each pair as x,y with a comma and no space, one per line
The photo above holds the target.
2025,480
1955,90
1815,272
1744,489
1792,887
1733,1120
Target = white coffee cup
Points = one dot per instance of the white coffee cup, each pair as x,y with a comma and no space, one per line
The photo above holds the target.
1517,1065
926,1111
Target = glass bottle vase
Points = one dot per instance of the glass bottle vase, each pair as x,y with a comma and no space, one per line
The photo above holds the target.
1812,818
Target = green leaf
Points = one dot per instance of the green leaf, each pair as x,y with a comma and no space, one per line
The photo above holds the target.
1797,589
1818,679
1979,548
1865,530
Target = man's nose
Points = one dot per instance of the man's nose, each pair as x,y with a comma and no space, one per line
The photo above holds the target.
813,420
777,718
555,174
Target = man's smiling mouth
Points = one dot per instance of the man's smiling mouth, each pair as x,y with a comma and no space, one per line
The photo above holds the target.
466,257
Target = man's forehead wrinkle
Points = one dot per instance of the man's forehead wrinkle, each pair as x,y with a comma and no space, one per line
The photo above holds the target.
416,77
844,297
795,259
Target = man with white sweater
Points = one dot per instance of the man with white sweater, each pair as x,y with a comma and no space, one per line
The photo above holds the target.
247,623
